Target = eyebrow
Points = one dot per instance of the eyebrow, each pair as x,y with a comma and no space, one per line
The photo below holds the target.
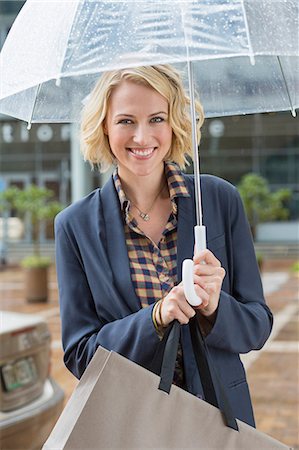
151,115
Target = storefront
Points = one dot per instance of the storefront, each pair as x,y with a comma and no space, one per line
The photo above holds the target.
40,156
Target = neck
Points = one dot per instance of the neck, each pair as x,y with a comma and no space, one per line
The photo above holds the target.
143,190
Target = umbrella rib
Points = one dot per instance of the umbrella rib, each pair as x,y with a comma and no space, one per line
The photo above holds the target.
33,107
75,11
287,87
251,53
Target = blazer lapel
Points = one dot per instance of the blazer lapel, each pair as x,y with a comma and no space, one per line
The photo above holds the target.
116,245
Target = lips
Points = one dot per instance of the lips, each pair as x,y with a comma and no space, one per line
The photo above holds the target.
142,152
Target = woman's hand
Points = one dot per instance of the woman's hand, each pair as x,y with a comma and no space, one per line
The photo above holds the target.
175,306
209,275
208,278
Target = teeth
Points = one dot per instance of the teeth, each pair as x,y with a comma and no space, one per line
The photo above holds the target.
143,152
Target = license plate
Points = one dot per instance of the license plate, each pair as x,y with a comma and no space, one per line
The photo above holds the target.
19,374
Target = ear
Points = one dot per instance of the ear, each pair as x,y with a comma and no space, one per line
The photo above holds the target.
104,126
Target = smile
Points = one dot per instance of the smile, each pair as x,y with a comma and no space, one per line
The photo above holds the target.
142,152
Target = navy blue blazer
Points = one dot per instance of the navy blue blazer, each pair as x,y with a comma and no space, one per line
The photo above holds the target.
99,305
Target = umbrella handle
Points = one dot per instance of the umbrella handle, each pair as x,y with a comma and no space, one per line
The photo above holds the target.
187,269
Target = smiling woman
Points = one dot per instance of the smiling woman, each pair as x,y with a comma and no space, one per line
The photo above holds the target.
120,249
163,80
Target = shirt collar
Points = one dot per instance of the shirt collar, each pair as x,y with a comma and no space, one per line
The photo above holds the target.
176,184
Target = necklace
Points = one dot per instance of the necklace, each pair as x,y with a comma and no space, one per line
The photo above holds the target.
145,215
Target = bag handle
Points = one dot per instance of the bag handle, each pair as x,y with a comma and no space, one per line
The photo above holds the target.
170,345
205,366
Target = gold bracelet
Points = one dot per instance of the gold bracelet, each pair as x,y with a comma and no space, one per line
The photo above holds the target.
154,315
160,314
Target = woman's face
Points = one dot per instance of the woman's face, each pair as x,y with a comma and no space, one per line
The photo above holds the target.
138,129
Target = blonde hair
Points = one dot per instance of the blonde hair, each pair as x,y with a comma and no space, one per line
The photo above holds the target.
167,82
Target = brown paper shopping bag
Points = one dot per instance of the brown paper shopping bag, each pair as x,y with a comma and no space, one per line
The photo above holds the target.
120,405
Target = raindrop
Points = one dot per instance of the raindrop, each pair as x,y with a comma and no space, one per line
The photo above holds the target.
29,126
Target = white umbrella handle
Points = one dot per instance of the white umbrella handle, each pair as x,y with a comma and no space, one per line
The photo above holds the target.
187,270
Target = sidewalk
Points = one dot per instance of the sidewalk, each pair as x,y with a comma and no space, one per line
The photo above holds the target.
273,372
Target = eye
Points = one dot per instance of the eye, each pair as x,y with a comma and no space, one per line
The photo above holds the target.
125,122
157,119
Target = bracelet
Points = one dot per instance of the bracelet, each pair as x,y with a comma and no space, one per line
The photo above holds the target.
160,314
154,315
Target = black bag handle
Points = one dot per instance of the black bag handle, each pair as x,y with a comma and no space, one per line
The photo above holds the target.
169,356
205,366
169,348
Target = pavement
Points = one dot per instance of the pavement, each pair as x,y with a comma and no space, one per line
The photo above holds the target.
273,372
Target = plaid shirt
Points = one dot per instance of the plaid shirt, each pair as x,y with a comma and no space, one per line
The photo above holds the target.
153,266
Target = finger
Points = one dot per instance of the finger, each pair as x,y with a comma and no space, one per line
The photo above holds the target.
201,287
201,292
212,284
220,274
212,288
175,306
206,256
184,320
175,312
186,309
204,299
206,271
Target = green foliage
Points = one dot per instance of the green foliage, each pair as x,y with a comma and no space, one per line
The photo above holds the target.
36,202
260,204
7,198
32,262
295,267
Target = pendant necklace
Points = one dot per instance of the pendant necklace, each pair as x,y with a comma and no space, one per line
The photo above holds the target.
145,215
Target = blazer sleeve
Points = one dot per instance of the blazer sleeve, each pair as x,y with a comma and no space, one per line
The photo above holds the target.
244,321
83,327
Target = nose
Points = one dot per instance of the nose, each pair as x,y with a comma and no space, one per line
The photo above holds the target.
141,135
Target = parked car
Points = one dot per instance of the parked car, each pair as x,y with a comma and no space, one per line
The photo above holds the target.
30,400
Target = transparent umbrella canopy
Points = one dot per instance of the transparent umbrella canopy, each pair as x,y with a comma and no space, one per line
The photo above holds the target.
244,56
244,53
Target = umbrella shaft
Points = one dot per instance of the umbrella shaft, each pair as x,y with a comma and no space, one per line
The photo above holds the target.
198,204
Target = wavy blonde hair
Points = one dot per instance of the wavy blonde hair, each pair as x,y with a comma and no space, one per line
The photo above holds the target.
166,81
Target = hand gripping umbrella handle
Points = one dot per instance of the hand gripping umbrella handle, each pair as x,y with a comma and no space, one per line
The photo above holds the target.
187,270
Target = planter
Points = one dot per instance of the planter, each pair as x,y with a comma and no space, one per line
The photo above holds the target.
36,284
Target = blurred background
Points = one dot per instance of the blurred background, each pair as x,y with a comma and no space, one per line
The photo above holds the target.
258,153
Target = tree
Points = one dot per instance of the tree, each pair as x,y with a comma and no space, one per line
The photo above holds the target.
35,201
260,203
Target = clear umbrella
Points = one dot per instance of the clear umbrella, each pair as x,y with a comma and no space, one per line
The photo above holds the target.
244,52
244,55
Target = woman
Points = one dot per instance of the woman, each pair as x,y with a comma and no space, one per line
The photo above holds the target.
120,249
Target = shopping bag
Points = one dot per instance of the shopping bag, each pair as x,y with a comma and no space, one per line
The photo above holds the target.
121,405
